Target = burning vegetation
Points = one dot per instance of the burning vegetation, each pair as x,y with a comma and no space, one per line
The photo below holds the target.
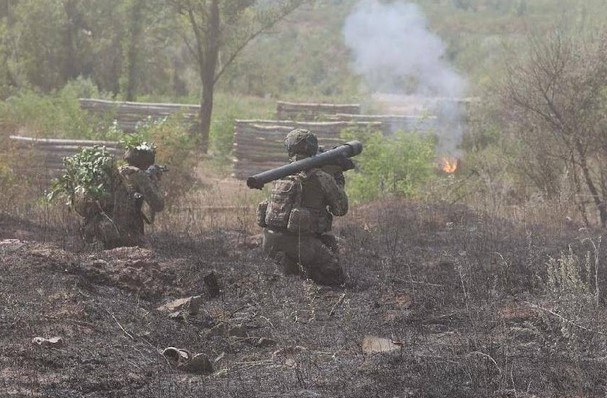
448,164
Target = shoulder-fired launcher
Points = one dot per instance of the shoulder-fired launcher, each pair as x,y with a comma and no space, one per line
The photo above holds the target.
348,150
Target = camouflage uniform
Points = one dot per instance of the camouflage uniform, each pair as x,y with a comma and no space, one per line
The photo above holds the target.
121,223
314,253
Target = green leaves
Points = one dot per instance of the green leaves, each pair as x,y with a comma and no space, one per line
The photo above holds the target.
138,141
399,165
87,173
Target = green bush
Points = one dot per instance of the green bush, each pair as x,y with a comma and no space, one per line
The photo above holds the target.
88,173
56,115
399,165
227,109
175,148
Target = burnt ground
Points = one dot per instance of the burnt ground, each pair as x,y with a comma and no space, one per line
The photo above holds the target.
466,306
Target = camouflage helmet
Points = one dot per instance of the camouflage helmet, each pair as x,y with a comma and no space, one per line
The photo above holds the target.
141,156
301,142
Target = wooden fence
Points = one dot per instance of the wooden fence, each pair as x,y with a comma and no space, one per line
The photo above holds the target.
130,115
392,123
310,111
259,144
41,159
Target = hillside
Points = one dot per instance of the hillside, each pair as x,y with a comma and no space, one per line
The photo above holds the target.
439,301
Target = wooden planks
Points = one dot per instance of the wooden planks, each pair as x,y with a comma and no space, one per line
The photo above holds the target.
259,144
305,111
130,115
43,157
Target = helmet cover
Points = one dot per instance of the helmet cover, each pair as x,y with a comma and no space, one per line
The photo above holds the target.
301,142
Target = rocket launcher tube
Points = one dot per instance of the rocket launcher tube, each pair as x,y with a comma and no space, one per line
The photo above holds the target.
349,149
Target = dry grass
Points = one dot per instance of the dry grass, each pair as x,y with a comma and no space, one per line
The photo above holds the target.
493,302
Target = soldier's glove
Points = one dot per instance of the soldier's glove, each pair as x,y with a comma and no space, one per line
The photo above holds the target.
345,163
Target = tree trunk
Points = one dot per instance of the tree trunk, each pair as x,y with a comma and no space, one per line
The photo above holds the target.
70,68
133,52
204,117
207,75
596,197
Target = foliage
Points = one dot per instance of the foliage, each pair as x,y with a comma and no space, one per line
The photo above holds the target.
569,274
55,115
174,147
135,48
166,136
88,173
228,109
223,28
136,141
399,165
308,58
555,107
12,185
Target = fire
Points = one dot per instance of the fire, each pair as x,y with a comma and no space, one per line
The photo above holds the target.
448,164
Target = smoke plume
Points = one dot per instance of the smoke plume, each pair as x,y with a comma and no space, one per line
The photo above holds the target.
397,55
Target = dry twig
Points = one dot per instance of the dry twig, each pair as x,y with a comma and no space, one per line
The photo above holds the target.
339,301
562,318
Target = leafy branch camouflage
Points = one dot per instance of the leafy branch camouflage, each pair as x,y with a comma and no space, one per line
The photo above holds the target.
89,171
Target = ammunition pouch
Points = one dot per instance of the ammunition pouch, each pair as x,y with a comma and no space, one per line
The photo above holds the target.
302,221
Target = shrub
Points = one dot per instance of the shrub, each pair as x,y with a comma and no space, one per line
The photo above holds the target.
399,165
57,115
175,147
227,109
88,174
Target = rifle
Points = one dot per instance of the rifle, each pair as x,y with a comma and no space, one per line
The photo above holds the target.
338,155
155,171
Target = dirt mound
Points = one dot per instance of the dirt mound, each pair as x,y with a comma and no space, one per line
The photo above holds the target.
439,301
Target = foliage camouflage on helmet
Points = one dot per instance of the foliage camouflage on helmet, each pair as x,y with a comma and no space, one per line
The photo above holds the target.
140,158
301,142
139,153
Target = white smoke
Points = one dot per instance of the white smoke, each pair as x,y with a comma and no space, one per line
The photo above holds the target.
396,54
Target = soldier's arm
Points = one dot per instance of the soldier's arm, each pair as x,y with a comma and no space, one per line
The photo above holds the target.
337,173
336,197
148,189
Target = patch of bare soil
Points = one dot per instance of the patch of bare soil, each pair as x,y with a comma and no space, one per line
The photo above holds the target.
440,301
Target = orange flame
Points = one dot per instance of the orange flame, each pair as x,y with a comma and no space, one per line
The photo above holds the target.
448,164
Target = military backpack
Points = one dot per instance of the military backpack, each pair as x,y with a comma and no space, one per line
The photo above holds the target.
284,210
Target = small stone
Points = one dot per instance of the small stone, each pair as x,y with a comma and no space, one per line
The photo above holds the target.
176,356
188,305
264,342
373,345
50,342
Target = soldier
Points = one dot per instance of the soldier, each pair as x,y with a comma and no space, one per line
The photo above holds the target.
298,216
121,222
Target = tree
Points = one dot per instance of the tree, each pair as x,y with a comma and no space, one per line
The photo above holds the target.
51,42
218,31
133,53
556,105
150,56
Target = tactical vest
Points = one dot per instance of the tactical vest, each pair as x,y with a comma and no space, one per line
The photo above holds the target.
284,210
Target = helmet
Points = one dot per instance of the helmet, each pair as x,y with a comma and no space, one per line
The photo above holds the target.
301,142
140,157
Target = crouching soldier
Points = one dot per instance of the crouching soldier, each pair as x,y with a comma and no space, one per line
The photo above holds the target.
121,221
297,218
